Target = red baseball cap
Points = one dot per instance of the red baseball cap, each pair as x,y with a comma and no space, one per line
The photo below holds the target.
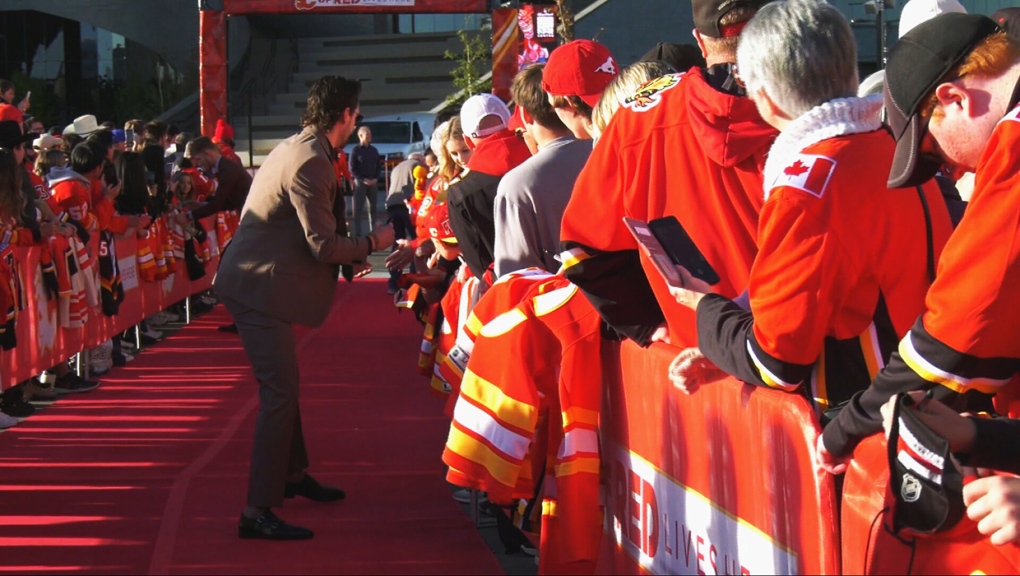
517,120
437,222
580,68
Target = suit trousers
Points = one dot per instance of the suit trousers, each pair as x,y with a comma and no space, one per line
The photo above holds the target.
279,447
361,194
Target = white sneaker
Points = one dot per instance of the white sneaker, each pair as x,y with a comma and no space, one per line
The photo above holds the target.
170,316
157,319
155,334
207,300
7,421
101,358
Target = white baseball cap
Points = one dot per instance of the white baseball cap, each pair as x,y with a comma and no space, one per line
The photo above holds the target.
916,11
478,107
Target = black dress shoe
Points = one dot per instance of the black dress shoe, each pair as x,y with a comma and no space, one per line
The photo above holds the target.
310,488
270,527
228,328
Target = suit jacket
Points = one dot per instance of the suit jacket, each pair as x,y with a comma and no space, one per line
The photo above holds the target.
233,186
286,254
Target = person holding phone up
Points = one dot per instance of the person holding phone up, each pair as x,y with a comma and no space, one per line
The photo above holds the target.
8,110
844,262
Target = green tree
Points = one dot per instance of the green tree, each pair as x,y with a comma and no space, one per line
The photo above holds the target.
473,61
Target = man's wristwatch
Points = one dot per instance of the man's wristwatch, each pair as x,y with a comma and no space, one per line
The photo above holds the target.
371,243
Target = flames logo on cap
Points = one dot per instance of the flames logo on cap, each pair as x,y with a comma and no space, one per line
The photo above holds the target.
649,95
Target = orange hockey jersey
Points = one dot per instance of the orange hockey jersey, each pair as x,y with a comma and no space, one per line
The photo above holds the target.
455,305
676,147
504,295
829,301
966,343
541,355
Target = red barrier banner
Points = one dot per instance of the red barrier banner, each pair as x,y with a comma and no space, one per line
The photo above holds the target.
718,482
321,6
42,343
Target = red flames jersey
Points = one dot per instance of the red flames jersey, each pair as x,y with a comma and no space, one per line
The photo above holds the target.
967,340
828,301
676,147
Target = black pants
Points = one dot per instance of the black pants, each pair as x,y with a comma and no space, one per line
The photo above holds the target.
402,230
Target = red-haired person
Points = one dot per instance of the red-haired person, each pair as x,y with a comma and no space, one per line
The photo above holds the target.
952,98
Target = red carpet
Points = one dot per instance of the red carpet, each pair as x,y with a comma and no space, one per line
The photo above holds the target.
148,473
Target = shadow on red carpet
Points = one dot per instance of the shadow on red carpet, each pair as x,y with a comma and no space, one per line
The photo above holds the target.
148,473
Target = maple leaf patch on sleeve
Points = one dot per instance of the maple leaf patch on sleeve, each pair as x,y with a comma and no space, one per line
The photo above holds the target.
809,173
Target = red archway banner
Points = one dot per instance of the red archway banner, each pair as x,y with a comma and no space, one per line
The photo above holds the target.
356,6
212,69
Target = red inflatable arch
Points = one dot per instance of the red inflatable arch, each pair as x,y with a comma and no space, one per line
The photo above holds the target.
212,43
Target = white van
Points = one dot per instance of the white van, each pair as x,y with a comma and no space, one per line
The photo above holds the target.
397,136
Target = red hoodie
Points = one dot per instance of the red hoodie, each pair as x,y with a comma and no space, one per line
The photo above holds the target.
676,147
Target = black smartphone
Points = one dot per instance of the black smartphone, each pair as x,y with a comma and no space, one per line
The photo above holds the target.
681,249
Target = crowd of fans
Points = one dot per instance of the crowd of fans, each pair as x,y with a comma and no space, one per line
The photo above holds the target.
852,271
849,273
73,192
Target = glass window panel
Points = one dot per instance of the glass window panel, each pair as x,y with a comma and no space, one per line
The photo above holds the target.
405,23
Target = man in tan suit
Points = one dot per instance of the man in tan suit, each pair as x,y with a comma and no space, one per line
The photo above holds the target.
281,269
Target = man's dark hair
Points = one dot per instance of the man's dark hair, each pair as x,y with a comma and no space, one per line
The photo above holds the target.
27,125
103,138
135,125
327,100
155,131
201,144
445,115
5,85
527,93
107,125
181,141
69,141
172,131
86,158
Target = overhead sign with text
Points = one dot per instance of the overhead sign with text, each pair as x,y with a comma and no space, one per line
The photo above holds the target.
355,6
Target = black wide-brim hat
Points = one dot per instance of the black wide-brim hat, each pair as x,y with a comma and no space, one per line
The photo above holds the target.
11,134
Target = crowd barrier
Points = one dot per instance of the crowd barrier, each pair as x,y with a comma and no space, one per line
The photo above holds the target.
723,482
42,343
718,482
